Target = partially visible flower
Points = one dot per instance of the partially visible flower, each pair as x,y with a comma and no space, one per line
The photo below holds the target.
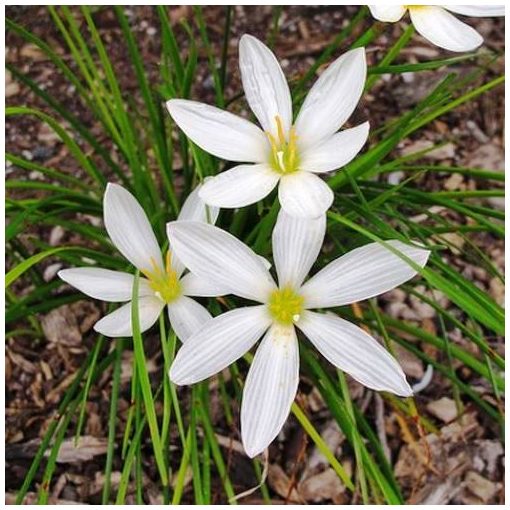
436,24
272,381
291,154
164,283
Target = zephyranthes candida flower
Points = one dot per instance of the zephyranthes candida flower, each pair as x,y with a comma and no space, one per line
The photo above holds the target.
439,26
272,381
163,285
285,152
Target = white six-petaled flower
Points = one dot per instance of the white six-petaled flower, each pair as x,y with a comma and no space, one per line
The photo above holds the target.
291,154
164,283
439,26
272,381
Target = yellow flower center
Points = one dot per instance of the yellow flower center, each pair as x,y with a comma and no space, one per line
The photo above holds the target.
285,305
165,283
284,157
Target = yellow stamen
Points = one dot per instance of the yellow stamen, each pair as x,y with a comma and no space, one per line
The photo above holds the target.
285,305
279,127
165,283
284,155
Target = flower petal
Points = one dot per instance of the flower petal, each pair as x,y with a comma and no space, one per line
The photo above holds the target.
118,323
218,344
129,229
219,132
239,186
193,285
361,274
443,29
195,209
388,13
477,11
336,151
216,255
270,388
296,245
104,284
332,99
305,195
187,317
264,84
352,350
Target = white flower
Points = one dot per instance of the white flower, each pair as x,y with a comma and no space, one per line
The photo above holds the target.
436,24
285,153
130,231
272,381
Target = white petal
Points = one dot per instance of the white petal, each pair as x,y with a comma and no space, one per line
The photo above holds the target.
193,285
195,209
361,274
104,284
270,388
332,99
118,323
352,350
239,186
305,195
129,228
296,245
478,11
336,151
219,343
444,29
387,13
219,132
216,255
187,317
264,84
265,262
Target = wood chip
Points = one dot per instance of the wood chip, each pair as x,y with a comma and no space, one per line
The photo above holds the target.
482,488
86,448
61,327
322,487
444,409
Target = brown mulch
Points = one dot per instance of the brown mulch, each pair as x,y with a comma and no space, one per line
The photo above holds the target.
462,462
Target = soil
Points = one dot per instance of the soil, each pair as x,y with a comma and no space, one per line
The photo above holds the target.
38,371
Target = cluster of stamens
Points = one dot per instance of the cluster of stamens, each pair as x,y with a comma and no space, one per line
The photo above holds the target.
284,157
165,283
285,305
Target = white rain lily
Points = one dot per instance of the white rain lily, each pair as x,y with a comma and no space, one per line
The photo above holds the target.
282,152
272,381
439,26
164,283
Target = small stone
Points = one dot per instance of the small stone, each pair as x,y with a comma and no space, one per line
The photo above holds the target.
27,155
35,175
444,409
